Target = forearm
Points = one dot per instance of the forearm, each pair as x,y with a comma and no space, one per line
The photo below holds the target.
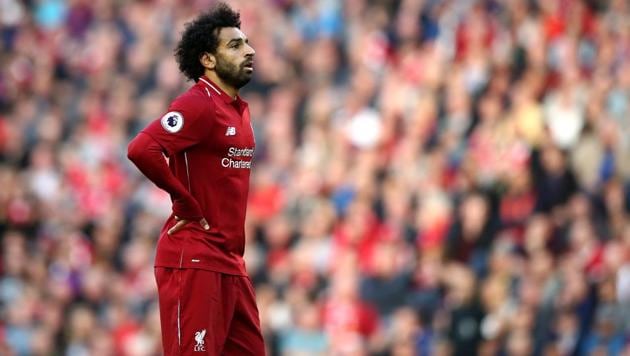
147,155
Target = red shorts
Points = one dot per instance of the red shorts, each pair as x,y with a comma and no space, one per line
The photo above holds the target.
207,313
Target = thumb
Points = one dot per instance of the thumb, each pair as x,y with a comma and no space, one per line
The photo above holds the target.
204,223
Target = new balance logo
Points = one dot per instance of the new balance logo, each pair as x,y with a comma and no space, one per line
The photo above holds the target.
231,131
199,336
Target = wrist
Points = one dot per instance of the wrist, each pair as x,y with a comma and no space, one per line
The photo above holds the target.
187,208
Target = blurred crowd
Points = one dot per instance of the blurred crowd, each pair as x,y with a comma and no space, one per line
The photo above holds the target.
431,177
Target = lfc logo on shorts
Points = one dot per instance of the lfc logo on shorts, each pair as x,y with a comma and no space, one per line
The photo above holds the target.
199,336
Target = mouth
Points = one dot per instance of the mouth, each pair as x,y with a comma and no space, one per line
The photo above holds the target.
249,66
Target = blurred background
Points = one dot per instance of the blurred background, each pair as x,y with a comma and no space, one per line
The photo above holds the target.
431,177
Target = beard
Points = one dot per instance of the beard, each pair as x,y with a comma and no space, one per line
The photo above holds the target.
232,74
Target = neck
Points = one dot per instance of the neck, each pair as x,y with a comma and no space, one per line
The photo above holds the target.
230,90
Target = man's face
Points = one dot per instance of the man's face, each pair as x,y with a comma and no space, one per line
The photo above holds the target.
234,57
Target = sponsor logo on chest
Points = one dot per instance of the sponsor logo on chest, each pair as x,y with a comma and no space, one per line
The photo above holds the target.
234,157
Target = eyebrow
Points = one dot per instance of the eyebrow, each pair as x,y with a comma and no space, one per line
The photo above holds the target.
246,40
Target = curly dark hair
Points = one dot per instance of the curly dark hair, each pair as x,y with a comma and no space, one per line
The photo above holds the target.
201,35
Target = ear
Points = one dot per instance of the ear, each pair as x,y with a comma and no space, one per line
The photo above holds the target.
208,60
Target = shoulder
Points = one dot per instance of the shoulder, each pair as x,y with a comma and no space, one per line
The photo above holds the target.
191,105
188,110
194,100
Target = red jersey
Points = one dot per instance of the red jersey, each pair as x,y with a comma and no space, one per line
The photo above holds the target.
208,139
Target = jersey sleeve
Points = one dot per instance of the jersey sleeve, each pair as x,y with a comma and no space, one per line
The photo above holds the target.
186,123
146,154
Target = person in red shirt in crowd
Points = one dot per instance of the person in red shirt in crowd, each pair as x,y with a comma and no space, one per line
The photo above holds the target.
206,300
351,323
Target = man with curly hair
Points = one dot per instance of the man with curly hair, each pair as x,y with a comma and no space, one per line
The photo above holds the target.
206,299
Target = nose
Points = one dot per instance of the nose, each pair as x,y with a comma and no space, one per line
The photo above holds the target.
249,50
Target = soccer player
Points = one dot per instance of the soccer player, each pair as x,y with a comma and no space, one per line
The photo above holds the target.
206,299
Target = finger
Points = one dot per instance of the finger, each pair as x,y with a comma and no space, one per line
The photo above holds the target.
204,224
176,227
177,218
180,224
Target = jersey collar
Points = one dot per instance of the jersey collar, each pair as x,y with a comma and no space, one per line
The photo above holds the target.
212,89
